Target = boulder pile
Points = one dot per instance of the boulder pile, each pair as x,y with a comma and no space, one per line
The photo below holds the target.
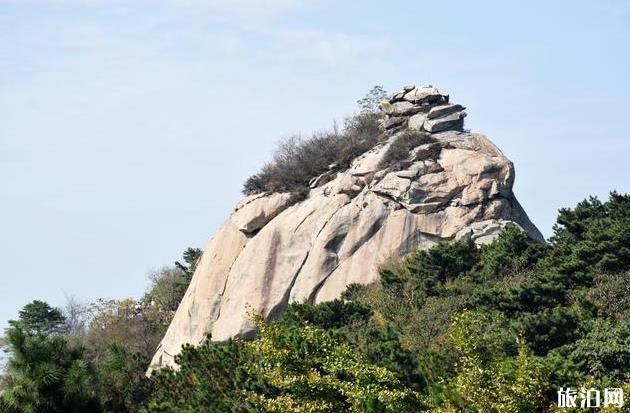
421,109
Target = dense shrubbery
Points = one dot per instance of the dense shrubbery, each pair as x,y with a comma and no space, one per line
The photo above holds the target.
297,160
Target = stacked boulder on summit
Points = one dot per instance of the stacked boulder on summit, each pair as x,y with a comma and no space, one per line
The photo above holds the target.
421,109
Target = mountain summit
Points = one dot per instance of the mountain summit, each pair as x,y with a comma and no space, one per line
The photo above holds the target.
424,181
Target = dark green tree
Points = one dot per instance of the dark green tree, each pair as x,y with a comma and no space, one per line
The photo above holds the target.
210,378
191,257
38,317
44,373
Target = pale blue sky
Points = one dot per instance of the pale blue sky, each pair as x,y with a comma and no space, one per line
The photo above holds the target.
127,127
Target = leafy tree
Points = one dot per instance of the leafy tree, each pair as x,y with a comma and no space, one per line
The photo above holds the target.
425,273
488,379
327,315
167,289
604,352
310,371
456,328
354,324
610,294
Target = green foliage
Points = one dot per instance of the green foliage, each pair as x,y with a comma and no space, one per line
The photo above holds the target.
511,253
191,258
168,286
328,315
425,273
95,360
456,328
489,379
604,352
354,323
310,371
38,317
212,377
46,374
121,379
610,294
592,237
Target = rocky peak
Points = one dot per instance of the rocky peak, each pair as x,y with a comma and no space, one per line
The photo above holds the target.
421,109
426,182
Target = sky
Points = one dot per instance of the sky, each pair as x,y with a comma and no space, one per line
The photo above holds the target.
128,127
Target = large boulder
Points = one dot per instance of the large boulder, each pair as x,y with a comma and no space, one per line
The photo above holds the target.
272,251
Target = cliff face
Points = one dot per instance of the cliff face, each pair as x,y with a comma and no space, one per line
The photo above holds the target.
271,252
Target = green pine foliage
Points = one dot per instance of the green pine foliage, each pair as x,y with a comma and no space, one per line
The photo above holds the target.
46,374
39,318
212,377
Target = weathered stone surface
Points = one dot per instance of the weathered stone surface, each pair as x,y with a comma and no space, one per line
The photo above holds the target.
393,122
399,108
427,94
253,215
484,232
454,121
416,122
443,110
270,253
427,151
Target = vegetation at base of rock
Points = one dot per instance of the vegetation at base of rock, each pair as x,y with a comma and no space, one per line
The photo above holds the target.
456,328
297,160
461,329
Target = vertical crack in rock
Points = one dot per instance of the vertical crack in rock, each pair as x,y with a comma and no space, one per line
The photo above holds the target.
303,220
372,230
279,308
227,278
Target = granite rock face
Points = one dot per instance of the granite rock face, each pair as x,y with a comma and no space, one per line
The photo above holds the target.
271,252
